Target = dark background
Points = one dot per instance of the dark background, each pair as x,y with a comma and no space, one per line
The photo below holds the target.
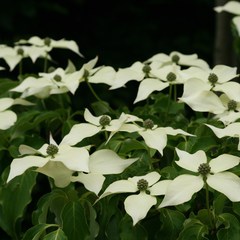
120,32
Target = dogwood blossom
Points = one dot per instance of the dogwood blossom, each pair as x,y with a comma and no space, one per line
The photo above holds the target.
95,125
13,55
102,162
56,161
8,117
51,43
147,186
179,58
214,173
155,137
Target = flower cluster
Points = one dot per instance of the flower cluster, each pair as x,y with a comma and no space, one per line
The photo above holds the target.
127,168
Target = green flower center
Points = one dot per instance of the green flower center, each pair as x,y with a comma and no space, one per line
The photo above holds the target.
148,124
57,78
142,185
20,51
232,105
204,169
104,120
212,78
51,69
47,41
171,77
175,58
52,150
146,69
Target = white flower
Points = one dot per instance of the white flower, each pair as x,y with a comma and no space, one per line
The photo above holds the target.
55,161
13,55
182,188
154,137
163,77
95,125
57,82
8,117
179,58
51,43
102,162
147,186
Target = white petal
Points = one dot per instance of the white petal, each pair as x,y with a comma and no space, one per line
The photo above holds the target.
7,119
230,6
80,131
149,85
223,162
173,132
20,165
104,75
74,158
5,103
120,186
91,181
159,188
190,161
232,130
137,206
231,89
90,118
106,161
226,183
58,171
156,139
181,189
225,73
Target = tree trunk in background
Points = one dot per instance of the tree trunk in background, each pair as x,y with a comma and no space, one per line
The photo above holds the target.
224,52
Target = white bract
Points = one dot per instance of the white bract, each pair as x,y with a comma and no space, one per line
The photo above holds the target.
56,161
213,173
232,130
234,8
8,117
102,162
147,186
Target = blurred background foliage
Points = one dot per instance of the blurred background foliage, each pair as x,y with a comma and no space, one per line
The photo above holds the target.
119,32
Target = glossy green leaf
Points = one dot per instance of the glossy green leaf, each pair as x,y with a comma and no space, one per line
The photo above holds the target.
14,198
228,226
56,235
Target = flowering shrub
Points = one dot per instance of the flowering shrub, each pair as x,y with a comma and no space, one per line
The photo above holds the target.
165,166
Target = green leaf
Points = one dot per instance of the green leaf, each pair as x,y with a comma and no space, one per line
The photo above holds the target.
193,229
231,230
37,231
74,222
172,223
14,198
56,235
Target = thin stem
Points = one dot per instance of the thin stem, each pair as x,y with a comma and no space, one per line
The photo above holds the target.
45,63
93,92
207,203
20,69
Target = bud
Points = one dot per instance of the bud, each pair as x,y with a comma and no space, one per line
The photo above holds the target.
148,124
142,185
204,169
57,78
104,120
47,41
171,77
51,69
232,105
212,78
146,69
52,150
20,51
175,58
